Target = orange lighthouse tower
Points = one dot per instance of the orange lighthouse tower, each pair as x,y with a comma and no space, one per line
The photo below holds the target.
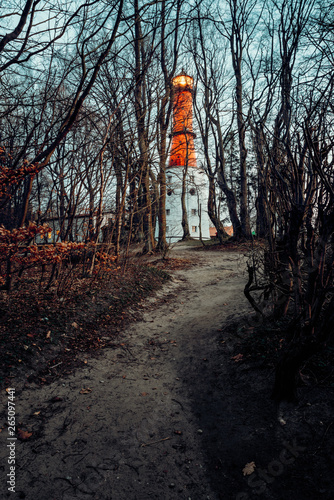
186,182
183,148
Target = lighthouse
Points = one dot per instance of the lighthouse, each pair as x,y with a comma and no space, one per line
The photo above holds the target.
186,202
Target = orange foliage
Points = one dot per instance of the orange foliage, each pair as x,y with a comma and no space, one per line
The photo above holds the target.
10,177
19,250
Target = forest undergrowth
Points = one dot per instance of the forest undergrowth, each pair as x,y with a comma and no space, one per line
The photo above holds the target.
261,347
43,334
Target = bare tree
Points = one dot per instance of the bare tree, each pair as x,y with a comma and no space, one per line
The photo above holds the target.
239,29
299,147
168,63
16,51
211,96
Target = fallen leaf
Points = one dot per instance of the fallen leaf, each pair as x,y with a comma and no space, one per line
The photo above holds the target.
75,325
37,412
238,357
249,469
143,394
85,391
24,435
48,335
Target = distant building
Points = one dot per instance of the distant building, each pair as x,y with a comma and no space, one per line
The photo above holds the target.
79,227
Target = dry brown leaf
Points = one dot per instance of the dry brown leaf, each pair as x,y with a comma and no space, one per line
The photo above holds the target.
144,394
24,435
85,390
238,357
249,469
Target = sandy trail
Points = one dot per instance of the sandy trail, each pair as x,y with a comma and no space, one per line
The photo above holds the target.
146,426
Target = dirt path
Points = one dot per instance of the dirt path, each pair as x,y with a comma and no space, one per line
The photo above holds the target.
162,415
138,431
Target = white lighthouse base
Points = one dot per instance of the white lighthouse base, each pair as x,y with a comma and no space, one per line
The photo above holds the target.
196,204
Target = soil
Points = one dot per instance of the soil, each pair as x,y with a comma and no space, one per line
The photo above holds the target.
178,408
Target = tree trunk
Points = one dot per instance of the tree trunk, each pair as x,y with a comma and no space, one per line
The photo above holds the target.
142,131
155,203
287,370
212,210
221,179
236,43
185,225
147,219
27,193
162,243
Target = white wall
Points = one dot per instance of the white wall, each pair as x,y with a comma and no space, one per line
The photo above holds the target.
196,182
